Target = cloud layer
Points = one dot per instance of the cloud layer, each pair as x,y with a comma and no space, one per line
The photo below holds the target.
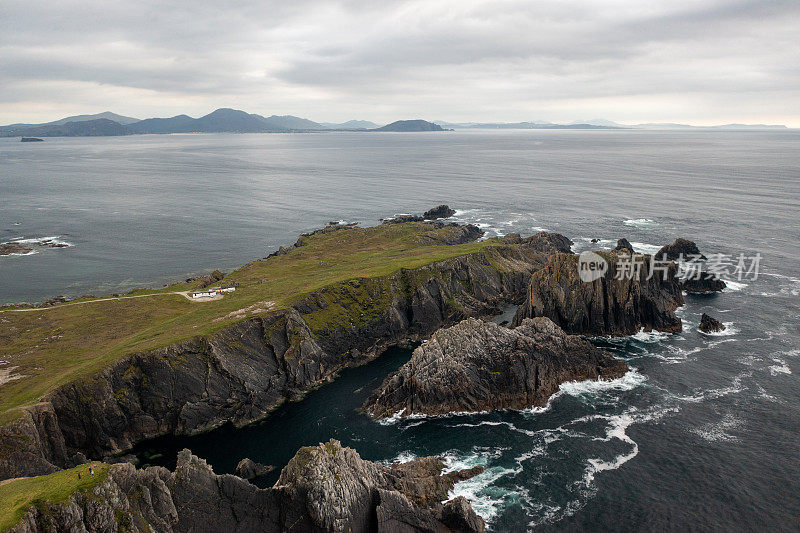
702,62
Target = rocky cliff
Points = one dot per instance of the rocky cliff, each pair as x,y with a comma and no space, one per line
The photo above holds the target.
480,366
607,305
241,373
325,488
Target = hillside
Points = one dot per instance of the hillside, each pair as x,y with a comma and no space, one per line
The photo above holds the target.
89,128
65,342
410,125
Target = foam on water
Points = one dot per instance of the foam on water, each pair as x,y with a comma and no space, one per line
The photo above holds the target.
645,248
630,380
734,286
719,431
616,430
640,223
780,367
727,332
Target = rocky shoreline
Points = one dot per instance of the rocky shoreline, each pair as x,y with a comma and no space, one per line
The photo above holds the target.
327,487
241,373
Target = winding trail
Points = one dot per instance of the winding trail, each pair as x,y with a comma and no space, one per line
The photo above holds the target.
185,294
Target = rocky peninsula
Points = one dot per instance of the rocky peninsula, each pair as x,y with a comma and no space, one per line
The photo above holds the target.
480,366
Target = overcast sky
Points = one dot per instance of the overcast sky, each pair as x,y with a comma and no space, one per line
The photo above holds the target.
698,62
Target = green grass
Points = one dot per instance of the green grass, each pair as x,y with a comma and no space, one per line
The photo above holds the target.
16,497
57,345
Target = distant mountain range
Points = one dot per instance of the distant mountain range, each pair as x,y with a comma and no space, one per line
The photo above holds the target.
227,120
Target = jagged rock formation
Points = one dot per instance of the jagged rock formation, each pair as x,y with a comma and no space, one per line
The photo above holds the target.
680,248
706,283
249,469
605,306
480,366
624,244
694,282
547,242
325,488
441,211
709,324
241,373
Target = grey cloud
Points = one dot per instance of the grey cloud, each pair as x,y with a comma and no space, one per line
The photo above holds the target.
463,59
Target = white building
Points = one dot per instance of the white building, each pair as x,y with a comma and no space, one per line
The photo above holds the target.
213,291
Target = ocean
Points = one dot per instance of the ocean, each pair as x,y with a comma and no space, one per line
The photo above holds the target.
702,434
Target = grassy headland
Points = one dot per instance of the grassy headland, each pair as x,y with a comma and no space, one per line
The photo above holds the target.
16,497
56,345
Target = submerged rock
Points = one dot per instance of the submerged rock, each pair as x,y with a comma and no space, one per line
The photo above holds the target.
479,366
249,469
709,324
607,305
9,248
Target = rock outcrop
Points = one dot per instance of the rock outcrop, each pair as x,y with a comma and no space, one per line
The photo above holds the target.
607,305
695,280
681,248
249,469
325,488
243,372
480,366
624,244
14,248
441,211
706,283
709,324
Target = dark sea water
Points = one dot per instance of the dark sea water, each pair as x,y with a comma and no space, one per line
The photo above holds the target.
703,434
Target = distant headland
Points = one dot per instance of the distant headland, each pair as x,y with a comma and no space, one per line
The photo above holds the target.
226,120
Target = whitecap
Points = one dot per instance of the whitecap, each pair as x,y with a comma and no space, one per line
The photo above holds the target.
718,431
734,286
651,336
486,500
394,419
780,367
402,457
640,223
630,380
616,430
645,248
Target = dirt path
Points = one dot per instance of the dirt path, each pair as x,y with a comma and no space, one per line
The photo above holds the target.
185,294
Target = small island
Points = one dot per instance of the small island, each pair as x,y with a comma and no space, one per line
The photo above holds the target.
31,140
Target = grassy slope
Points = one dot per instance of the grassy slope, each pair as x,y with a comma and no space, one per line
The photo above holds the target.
16,497
57,345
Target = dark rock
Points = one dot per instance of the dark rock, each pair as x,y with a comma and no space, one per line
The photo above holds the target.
710,325
325,488
680,248
549,243
31,139
595,241
479,366
623,244
54,301
442,211
706,283
249,469
400,219
8,248
605,306
458,515
208,279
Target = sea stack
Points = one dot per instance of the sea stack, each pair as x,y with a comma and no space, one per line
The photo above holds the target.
709,324
481,366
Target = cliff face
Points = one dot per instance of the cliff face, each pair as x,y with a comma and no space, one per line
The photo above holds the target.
243,372
479,366
323,488
605,306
